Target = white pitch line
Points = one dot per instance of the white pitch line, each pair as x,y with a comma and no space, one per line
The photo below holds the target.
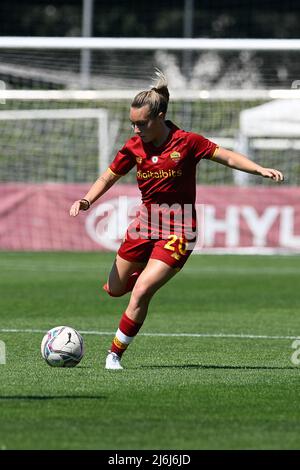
188,270
188,335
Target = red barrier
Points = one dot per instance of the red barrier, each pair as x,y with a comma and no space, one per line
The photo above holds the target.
255,219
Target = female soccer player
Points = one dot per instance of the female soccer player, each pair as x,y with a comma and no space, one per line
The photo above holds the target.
158,243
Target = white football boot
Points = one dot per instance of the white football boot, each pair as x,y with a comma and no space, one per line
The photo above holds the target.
113,361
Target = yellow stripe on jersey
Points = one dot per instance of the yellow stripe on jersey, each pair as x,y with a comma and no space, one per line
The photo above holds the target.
115,174
215,152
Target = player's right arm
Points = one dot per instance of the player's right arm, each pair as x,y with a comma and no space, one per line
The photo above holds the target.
101,185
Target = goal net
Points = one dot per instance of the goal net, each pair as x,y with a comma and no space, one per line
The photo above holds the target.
213,83
127,63
56,138
47,136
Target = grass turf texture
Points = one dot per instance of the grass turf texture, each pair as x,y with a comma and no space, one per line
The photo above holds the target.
176,392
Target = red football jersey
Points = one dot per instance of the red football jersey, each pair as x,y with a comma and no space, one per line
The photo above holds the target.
166,175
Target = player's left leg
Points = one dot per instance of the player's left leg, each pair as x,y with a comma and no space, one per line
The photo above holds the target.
130,261
123,276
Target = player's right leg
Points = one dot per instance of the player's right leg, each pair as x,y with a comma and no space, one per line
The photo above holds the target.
123,276
154,276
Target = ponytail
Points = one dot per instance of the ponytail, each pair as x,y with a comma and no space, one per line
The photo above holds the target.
157,98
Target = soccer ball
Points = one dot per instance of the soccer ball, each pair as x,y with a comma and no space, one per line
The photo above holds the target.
62,346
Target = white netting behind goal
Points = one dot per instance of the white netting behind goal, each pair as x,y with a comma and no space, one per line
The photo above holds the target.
111,70
73,140
59,145
57,63
62,124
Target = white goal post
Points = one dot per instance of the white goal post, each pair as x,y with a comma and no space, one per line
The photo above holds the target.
119,94
107,43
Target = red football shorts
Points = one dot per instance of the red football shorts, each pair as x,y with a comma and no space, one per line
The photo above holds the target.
174,251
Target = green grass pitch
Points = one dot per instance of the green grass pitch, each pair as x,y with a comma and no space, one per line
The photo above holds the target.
232,387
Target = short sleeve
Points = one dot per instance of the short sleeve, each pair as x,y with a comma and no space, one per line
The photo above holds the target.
123,162
202,147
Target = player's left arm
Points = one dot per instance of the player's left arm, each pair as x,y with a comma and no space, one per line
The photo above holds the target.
241,162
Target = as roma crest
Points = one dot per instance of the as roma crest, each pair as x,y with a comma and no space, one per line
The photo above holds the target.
175,156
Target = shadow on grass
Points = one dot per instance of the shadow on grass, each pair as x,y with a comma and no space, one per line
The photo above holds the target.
213,366
51,397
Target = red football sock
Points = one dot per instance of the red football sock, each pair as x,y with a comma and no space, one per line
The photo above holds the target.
125,334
